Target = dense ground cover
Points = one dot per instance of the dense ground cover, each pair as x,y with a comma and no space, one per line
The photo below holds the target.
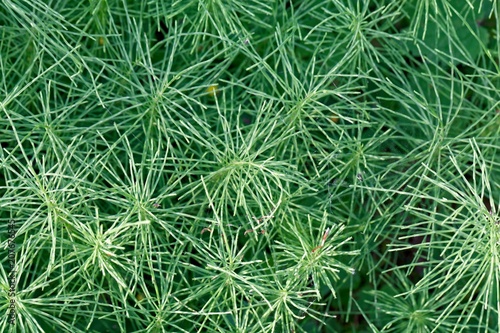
250,166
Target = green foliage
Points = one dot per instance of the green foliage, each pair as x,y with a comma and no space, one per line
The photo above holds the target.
250,166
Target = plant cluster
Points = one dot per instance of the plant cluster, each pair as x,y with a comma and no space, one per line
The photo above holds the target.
250,166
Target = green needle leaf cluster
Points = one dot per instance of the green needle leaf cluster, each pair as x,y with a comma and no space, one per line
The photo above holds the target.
250,166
